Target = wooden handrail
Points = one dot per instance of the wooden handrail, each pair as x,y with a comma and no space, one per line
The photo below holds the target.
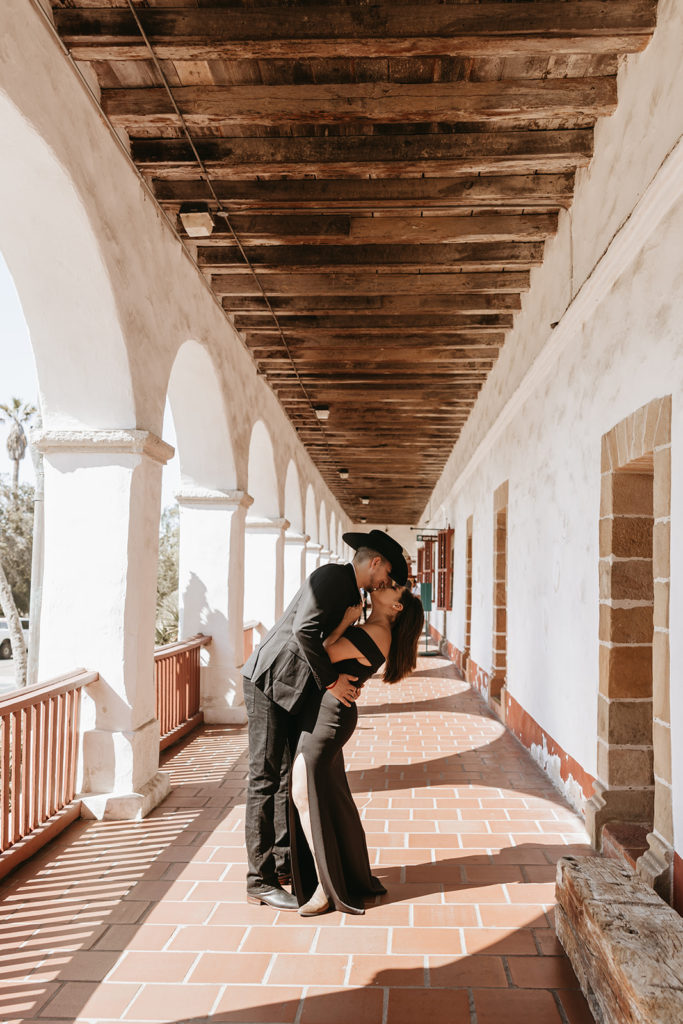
200,640
30,695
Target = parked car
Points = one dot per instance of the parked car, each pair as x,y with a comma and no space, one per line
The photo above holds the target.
5,642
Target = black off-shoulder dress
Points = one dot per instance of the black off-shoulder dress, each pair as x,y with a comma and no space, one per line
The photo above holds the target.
341,851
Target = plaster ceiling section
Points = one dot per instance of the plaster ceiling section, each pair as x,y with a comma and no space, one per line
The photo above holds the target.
391,171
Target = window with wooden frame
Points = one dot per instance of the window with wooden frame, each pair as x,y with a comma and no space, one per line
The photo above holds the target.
426,562
444,572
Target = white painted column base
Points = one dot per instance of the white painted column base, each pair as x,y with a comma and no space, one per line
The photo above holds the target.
126,806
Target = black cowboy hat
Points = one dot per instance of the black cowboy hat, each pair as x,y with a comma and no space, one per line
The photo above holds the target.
385,546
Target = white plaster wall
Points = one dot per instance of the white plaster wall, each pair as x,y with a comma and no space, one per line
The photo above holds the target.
617,264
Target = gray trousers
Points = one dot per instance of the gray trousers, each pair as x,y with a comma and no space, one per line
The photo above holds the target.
273,738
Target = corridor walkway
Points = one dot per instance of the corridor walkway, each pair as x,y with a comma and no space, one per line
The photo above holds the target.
147,921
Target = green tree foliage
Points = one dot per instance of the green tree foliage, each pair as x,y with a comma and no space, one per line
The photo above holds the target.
16,539
167,577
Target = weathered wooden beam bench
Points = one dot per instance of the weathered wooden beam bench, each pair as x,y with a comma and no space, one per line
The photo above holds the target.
625,943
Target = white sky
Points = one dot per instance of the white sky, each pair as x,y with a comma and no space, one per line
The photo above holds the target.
18,378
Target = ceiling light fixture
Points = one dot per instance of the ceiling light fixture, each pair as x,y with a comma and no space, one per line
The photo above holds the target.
344,474
322,412
364,500
196,220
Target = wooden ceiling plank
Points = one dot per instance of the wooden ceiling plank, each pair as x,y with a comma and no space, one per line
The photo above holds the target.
406,340
371,284
375,305
324,229
330,259
384,30
375,193
516,152
219,106
360,321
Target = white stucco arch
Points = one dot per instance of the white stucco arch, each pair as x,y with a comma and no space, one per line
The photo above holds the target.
65,290
312,516
333,533
262,481
205,447
293,509
324,533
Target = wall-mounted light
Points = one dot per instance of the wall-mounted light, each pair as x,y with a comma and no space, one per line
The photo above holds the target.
363,519
364,500
344,474
322,412
196,219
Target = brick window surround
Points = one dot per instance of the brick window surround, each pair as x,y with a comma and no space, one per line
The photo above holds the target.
500,531
444,570
634,736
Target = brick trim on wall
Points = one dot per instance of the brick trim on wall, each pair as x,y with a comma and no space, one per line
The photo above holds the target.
530,733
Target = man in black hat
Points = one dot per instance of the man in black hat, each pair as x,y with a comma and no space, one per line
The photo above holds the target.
284,681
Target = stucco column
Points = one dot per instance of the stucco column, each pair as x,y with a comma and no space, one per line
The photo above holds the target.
264,563
102,502
211,593
313,557
295,563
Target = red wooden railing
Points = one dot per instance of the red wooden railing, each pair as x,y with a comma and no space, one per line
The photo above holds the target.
38,760
176,677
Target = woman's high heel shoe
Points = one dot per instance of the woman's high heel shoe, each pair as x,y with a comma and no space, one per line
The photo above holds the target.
317,904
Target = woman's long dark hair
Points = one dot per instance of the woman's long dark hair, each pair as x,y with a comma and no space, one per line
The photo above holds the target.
405,634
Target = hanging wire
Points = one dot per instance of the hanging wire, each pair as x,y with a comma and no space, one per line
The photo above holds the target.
226,216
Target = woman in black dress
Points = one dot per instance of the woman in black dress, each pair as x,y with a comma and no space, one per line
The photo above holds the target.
330,862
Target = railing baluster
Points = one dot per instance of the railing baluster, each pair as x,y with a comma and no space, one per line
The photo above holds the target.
36,712
26,760
61,744
54,747
16,774
45,760
5,783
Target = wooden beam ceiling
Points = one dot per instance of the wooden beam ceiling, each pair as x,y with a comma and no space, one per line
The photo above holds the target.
385,173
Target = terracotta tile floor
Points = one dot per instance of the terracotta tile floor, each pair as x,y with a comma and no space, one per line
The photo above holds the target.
146,921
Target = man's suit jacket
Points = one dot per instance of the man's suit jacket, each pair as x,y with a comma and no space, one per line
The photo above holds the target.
292,652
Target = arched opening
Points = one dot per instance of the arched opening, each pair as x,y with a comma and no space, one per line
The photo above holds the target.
313,547
204,503
55,260
264,534
333,536
295,538
324,534
20,493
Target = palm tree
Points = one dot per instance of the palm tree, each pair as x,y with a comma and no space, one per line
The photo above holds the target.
17,413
